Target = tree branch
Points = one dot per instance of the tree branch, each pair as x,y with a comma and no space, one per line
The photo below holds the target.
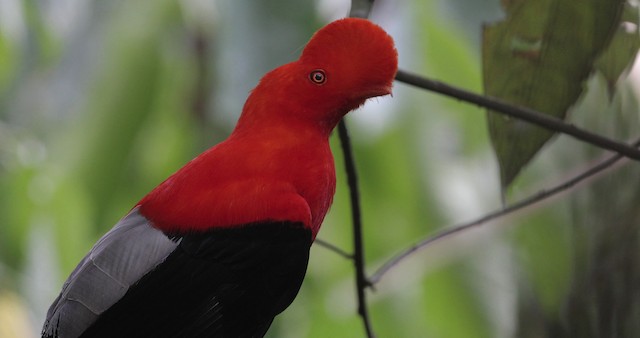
360,8
358,245
540,196
334,248
522,113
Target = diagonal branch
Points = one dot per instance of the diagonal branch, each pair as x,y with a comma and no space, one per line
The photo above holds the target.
332,247
540,196
522,113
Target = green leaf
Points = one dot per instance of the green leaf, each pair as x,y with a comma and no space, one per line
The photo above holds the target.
617,59
539,57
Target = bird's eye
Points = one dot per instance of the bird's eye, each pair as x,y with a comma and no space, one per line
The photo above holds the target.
318,77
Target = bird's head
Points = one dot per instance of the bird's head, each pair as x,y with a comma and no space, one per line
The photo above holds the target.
353,59
347,62
344,64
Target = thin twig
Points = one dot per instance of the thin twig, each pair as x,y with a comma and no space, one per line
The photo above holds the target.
358,245
360,8
201,91
540,196
334,248
522,113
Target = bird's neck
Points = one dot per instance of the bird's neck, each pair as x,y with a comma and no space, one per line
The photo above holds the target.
270,109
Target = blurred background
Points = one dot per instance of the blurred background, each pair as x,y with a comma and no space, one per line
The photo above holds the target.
102,100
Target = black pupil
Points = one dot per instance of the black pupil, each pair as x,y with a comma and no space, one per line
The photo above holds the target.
317,77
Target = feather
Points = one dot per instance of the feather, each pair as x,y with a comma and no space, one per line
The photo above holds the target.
118,260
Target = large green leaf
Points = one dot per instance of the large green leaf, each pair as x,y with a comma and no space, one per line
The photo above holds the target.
621,52
539,57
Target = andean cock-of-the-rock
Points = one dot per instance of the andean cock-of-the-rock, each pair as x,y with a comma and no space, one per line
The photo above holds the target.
221,247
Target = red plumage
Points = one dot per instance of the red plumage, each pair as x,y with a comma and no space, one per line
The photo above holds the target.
221,247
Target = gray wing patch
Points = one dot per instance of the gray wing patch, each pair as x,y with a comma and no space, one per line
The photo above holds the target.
122,256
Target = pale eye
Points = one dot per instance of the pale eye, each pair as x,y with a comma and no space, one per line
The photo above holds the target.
318,76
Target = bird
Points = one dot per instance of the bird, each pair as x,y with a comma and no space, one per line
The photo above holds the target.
221,247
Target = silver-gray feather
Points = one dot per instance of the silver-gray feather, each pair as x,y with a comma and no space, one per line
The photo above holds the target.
120,258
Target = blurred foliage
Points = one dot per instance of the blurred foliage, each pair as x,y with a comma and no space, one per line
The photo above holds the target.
12,310
100,101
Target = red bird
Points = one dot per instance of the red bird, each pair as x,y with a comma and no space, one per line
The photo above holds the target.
221,247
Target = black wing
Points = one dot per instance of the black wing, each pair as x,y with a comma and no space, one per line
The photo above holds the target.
224,283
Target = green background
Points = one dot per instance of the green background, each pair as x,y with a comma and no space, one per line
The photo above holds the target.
100,101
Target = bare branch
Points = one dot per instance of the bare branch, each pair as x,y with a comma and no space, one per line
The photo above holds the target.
358,245
360,8
522,113
334,248
201,91
540,196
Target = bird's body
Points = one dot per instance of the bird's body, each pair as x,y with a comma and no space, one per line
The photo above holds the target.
221,247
